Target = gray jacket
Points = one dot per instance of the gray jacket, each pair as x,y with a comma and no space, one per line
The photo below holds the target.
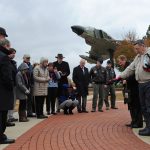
20,83
137,67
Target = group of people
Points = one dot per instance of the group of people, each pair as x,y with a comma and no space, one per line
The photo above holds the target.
33,84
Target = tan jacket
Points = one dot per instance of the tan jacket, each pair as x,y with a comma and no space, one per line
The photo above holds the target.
137,67
40,75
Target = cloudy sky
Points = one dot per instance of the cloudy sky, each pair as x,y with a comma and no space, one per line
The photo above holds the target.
42,27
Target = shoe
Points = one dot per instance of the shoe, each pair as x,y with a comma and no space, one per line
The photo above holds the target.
136,126
128,125
107,108
66,111
12,120
93,110
79,111
70,112
114,108
41,117
23,119
53,113
100,110
58,110
48,113
143,129
85,111
7,141
44,116
145,132
31,115
10,124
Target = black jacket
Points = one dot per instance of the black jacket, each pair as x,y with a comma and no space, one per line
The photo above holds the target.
132,86
98,75
81,79
6,81
14,71
64,68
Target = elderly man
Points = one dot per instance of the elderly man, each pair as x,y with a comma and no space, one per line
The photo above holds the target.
81,80
140,66
6,87
26,59
64,70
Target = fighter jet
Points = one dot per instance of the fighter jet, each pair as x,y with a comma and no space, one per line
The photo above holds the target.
102,44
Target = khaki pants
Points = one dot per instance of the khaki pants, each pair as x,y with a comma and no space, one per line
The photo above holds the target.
98,90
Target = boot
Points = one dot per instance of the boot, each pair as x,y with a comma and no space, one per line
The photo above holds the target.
23,116
66,110
70,110
146,130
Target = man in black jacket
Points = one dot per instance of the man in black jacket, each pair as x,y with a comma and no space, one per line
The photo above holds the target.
6,88
81,80
64,70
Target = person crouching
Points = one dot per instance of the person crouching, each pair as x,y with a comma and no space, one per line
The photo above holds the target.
22,90
67,99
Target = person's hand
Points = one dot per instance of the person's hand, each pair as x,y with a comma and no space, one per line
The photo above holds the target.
105,86
124,82
118,78
48,78
55,70
27,92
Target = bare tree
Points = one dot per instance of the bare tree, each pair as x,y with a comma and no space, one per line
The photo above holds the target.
130,36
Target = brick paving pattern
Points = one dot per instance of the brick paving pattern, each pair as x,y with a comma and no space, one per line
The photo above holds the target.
93,131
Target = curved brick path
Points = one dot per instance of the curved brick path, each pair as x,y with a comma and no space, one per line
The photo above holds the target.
92,131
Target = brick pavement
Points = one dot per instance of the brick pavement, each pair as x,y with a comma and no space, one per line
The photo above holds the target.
93,131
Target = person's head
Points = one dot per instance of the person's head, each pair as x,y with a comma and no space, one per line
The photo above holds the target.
99,62
12,53
122,59
50,66
59,58
139,47
82,63
44,62
3,33
23,68
35,64
26,58
5,43
109,64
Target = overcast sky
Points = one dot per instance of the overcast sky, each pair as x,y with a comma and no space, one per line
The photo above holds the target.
42,27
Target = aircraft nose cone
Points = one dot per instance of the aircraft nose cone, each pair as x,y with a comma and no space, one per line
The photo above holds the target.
77,29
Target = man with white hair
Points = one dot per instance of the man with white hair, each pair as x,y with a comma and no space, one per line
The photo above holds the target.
40,90
26,59
81,80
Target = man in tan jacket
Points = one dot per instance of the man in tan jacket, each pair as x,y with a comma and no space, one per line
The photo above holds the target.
140,66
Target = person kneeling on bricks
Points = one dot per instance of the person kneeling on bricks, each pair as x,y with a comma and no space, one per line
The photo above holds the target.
67,99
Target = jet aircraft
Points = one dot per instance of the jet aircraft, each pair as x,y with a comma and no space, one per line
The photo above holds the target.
102,44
